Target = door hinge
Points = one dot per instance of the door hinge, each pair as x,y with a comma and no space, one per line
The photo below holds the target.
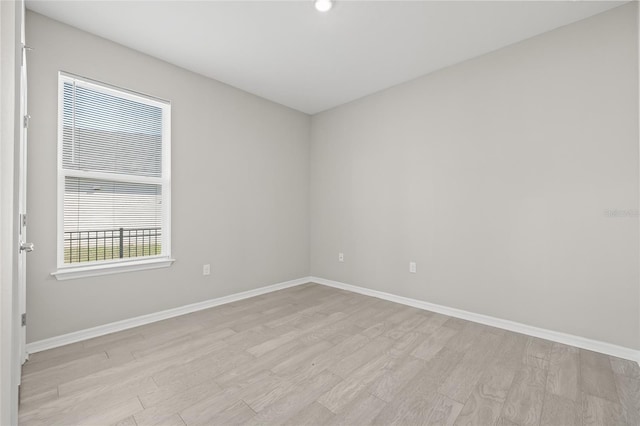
27,118
24,319
25,49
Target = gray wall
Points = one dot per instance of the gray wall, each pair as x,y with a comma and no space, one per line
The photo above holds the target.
495,176
240,189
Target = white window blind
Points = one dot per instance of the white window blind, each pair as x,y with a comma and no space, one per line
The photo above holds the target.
114,175
107,133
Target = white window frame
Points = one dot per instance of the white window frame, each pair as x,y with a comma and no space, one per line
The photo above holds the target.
104,267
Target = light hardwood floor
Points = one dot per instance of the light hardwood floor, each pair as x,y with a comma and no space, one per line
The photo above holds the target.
314,355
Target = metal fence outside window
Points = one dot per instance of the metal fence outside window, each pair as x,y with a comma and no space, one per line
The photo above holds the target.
94,245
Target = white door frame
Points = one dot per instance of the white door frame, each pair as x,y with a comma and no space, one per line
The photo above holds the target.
11,15
22,195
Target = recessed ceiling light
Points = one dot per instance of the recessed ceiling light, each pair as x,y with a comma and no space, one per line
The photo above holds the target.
323,5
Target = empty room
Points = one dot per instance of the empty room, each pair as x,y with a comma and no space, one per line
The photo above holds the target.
319,212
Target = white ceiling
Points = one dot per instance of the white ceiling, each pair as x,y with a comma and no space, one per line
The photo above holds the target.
289,53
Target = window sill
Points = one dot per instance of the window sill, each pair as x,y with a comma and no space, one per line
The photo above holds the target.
70,273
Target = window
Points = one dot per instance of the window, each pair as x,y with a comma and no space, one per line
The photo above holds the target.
113,179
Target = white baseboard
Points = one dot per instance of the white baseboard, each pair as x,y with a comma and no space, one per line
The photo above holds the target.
101,330
555,336
568,339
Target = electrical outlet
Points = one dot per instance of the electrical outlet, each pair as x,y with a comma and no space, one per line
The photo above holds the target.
412,267
206,269
340,257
